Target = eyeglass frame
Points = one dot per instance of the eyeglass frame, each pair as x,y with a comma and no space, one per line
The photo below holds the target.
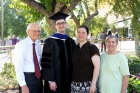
59,24
35,31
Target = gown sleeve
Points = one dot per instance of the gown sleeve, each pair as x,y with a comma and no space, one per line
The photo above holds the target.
48,59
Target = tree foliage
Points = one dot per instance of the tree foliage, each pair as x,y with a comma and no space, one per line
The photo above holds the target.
98,24
36,10
84,12
126,8
81,11
13,22
71,28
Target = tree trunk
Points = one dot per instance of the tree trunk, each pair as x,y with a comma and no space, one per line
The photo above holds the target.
137,47
61,7
77,21
51,27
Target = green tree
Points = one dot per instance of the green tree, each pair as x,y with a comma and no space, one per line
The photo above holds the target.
84,12
13,22
81,11
43,34
98,24
127,8
42,9
71,29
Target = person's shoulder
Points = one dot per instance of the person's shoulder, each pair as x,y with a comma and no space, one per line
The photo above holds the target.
38,43
70,38
91,44
121,55
49,41
22,43
122,58
103,54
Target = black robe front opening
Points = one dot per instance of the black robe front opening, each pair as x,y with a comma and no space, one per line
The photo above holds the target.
56,64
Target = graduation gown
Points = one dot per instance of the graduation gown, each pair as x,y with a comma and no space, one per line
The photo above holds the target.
56,64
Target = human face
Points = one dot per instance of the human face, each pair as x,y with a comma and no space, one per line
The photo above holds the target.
111,44
34,32
82,34
61,26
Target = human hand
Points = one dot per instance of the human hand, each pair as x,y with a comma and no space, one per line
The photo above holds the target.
93,88
25,89
53,86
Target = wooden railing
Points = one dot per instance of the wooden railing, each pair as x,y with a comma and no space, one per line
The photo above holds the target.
6,47
6,54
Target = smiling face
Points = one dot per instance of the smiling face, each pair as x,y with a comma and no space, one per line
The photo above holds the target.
61,25
111,44
82,34
34,32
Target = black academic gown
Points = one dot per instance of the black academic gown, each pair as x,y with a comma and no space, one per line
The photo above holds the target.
56,64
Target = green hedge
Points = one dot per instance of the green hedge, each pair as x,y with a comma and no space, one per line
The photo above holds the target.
134,80
8,71
134,65
134,85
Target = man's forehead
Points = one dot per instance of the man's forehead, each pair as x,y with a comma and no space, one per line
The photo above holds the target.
34,26
59,21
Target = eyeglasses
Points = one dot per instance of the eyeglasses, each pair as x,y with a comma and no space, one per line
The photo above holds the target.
35,31
58,24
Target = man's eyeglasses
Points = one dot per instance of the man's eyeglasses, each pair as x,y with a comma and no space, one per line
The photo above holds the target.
58,24
35,31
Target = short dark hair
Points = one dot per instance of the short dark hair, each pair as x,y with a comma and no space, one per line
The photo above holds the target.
84,26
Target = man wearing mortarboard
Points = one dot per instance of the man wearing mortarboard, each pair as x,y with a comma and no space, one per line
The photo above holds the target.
56,57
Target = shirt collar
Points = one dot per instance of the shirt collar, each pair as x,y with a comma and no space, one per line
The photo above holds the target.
86,44
30,41
60,36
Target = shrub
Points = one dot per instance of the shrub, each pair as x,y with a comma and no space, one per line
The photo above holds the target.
134,68
134,65
7,83
8,71
134,85
8,77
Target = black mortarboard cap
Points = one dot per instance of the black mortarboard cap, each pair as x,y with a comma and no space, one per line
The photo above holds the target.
58,16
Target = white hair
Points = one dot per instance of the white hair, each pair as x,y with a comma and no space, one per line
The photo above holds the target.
29,25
